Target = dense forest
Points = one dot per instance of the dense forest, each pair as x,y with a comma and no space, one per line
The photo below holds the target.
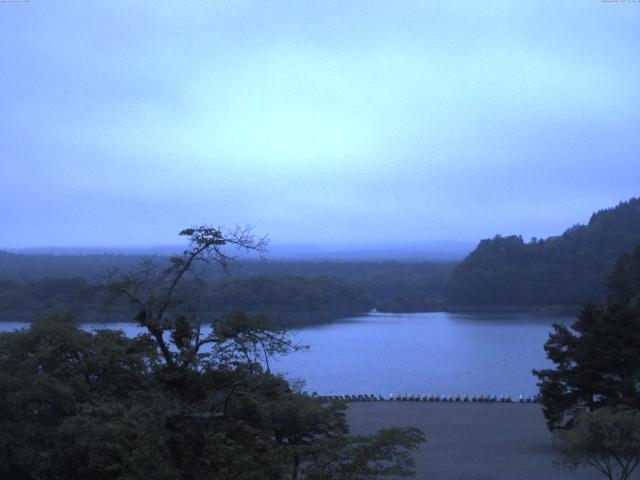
565,270
557,273
292,293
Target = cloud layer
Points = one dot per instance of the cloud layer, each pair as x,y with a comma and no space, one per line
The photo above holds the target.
319,122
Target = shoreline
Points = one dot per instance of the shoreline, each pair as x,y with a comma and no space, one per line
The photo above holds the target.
326,317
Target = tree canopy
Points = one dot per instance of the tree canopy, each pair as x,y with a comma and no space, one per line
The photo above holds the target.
179,402
597,359
607,440
567,270
290,293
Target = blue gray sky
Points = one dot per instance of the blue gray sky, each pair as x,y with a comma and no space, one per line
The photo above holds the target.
318,122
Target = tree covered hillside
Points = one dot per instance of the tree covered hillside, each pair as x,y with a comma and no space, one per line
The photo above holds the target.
566,270
292,293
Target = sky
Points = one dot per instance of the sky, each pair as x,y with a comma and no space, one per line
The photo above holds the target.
360,123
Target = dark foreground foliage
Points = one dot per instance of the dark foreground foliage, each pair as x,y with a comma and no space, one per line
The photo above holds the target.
607,439
99,405
179,402
597,360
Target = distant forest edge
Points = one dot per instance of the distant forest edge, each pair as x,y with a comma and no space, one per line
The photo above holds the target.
292,293
553,275
562,271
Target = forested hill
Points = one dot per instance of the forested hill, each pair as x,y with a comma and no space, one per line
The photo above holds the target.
566,270
292,293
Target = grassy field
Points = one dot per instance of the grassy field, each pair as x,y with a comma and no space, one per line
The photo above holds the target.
472,441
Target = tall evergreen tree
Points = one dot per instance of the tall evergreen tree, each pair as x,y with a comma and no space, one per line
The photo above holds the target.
598,358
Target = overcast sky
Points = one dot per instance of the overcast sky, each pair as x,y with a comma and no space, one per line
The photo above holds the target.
318,122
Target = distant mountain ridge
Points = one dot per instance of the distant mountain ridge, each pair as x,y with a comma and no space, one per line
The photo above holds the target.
565,270
436,250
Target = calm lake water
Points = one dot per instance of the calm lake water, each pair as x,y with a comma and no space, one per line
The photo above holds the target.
439,353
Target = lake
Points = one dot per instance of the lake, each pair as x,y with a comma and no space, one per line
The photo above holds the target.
425,353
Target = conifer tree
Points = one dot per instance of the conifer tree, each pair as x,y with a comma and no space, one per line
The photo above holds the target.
598,358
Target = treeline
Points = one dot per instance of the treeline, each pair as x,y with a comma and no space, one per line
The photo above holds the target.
27,300
35,267
294,293
175,402
288,300
559,272
567,270
14,266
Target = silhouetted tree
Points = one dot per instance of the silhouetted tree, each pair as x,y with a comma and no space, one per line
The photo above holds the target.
607,440
152,292
597,359
178,402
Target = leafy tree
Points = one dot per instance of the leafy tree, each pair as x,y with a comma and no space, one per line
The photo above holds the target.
178,402
386,453
598,358
56,379
607,440
301,425
153,293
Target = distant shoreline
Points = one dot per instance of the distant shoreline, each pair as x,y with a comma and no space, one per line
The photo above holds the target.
538,310
328,318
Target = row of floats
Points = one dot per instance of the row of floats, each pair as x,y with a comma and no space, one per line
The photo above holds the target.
433,398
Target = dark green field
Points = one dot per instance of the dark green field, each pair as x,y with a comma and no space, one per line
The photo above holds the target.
471,441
